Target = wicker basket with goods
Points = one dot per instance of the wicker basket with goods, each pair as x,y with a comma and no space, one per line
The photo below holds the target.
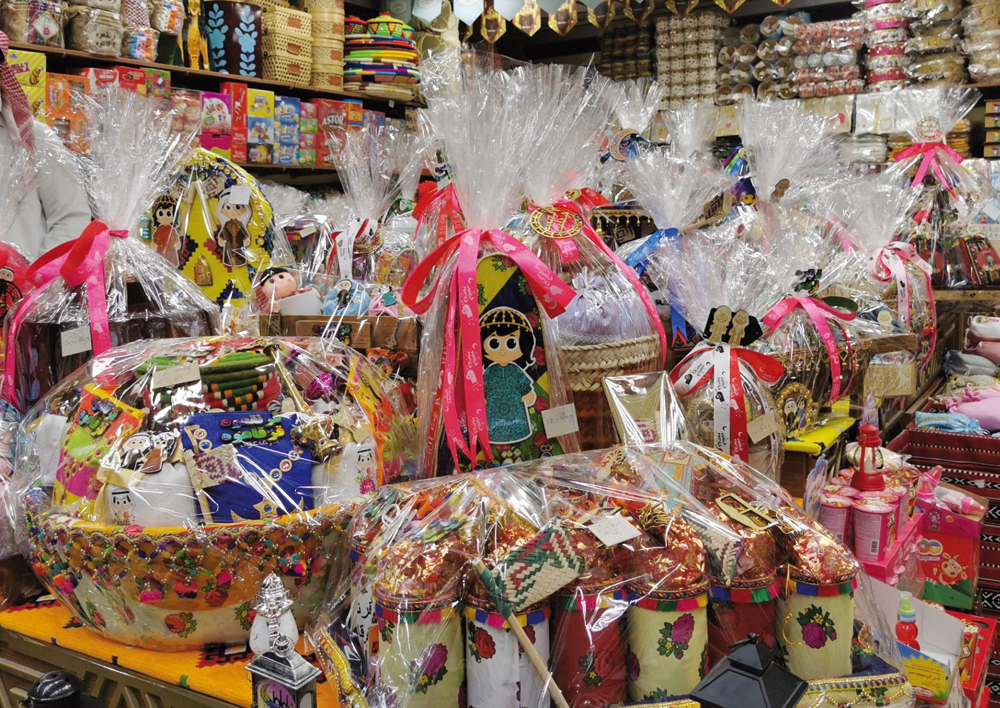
279,19
285,43
288,68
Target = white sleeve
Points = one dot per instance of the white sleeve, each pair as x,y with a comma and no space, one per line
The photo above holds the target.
64,201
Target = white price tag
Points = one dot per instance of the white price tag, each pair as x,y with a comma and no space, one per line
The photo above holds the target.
345,253
560,421
239,195
761,427
76,340
175,376
613,530
307,232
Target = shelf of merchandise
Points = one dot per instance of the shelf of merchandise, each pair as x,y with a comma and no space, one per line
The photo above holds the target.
73,57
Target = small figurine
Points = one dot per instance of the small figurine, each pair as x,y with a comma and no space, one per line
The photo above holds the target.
346,298
279,292
274,616
385,301
282,678
233,236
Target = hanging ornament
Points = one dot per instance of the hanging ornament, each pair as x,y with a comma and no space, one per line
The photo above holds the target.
468,11
493,26
564,18
781,3
602,15
529,18
400,9
591,4
682,8
730,6
550,6
467,35
426,10
627,10
508,8
647,9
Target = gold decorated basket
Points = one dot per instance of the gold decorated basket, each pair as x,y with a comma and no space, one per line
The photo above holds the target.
172,589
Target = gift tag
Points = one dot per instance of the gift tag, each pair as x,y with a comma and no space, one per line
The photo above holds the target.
239,195
613,530
345,253
560,421
307,232
76,340
761,427
173,376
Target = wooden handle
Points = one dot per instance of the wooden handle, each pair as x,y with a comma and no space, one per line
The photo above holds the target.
529,648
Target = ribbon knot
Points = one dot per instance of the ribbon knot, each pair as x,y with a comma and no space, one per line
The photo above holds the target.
462,372
445,202
820,313
77,262
929,161
890,265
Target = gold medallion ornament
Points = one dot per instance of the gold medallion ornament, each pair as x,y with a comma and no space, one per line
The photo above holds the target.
574,194
555,223
529,18
617,145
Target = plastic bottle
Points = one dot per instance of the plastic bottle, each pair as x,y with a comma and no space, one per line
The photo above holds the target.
956,501
906,627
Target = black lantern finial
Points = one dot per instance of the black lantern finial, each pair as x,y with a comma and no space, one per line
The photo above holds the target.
749,678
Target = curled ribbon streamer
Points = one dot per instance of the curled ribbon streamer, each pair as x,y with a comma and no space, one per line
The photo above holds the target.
445,202
702,363
890,265
929,161
552,294
78,262
629,273
820,313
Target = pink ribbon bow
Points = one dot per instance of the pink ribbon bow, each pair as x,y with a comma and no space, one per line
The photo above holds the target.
13,103
890,264
553,295
929,161
445,203
78,262
820,313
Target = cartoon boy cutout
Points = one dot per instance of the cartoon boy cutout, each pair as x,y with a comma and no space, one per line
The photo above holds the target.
508,343
232,236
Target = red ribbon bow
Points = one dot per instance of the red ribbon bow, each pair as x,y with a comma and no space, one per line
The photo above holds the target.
13,103
78,262
698,368
929,161
553,295
820,313
445,203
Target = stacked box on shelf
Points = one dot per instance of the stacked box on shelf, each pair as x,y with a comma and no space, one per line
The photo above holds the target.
64,109
238,95
287,114
308,134
216,123
101,79
825,59
992,122
981,22
734,76
328,43
626,51
289,31
686,51
185,105
334,118
934,49
260,126
886,33
29,70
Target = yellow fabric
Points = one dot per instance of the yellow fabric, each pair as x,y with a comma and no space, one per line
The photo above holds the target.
828,429
211,671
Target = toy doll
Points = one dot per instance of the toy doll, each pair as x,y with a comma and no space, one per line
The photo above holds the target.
346,297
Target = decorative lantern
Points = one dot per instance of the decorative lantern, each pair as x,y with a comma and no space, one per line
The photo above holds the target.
749,678
282,678
274,616
868,478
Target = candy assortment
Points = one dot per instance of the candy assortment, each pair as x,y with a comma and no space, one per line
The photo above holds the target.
686,48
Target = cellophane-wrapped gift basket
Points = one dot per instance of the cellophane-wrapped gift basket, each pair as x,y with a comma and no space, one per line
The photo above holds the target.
594,579
158,486
105,288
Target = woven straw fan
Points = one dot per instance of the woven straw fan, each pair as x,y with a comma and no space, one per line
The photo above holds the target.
532,572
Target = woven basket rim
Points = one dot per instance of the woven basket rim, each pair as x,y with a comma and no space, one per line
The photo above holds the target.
612,345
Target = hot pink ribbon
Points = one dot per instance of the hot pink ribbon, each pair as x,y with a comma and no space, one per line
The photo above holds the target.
820,313
553,295
890,265
78,262
629,273
929,160
445,203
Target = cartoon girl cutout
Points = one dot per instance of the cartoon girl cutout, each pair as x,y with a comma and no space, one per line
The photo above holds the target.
233,236
166,240
508,343
9,292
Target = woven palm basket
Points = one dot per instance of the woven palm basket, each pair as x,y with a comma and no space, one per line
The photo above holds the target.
588,364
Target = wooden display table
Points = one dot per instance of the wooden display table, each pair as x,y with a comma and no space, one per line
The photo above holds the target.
42,636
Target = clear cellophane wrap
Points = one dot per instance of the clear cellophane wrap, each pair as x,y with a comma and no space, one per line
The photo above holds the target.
952,201
692,130
633,104
490,364
106,288
193,468
612,328
717,269
369,164
888,280
680,194
704,552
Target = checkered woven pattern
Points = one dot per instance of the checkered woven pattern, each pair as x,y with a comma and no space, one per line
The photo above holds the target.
14,105
539,568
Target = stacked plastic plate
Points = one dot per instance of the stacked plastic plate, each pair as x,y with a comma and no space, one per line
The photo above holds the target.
380,58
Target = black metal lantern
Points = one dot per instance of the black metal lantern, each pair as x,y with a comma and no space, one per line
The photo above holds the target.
749,678
282,678
58,689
